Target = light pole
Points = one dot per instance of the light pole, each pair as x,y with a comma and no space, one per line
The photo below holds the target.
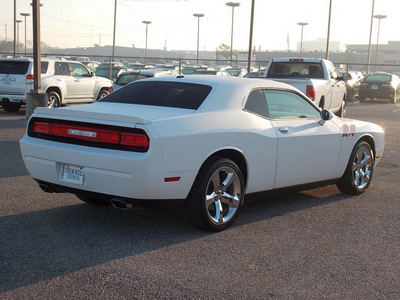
25,15
198,16
145,50
379,17
370,36
233,5
18,21
302,24
329,30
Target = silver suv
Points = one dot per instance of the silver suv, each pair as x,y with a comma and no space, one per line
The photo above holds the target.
64,82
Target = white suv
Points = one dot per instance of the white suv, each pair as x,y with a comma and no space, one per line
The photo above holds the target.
64,82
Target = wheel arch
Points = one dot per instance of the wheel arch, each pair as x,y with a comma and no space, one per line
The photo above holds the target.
57,90
370,140
233,154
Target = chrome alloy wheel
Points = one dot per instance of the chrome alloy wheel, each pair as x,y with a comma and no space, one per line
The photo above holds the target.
362,167
223,195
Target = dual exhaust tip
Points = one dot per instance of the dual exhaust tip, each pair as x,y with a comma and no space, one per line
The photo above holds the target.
118,203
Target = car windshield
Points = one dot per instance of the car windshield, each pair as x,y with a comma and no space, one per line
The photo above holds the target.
19,67
378,77
161,93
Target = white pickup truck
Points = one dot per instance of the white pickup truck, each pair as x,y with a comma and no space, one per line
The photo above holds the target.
317,78
65,82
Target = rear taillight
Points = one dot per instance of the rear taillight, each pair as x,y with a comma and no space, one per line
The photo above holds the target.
310,92
386,85
96,136
363,84
110,89
29,78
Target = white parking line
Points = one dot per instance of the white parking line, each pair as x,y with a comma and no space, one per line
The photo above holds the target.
396,110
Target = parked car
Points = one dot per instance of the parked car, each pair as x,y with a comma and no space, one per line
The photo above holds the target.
352,81
236,72
129,76
208,140
64,82
92,65
211,72
380,85
253,75
117,68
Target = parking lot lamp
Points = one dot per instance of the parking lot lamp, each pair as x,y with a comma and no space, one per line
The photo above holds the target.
145,49
233,5
25,15
18,21
198,16
302,24
379,17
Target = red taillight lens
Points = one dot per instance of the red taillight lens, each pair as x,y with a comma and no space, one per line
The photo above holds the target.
92,134
29,77
134,139
41,127
387,85
310,92
110,89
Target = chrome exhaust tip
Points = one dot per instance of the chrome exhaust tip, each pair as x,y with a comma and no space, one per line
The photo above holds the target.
121,204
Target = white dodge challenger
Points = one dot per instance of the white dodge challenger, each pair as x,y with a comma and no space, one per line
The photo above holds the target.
207,139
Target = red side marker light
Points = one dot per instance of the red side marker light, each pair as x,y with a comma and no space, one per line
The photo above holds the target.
171,179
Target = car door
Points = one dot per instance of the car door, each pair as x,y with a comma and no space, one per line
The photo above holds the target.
62,74
307,151
338,88
84,83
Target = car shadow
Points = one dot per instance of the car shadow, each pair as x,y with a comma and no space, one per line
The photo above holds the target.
45,244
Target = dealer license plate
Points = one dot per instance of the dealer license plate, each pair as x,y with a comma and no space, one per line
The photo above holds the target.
73,174
374,87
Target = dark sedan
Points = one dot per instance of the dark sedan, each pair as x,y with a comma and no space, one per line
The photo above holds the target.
380,85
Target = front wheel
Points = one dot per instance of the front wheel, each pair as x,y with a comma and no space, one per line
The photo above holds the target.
217,196
358,174
343,108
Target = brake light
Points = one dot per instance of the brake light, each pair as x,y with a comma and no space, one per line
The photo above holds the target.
296,60
110,89
92,134
386,85
310,92
29,77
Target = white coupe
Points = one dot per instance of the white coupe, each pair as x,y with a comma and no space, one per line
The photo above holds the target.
207,139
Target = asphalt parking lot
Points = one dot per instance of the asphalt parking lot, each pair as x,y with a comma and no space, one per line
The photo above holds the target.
316,244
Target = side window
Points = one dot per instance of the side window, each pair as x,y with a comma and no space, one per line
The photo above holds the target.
61,68
289,105
256,103
79,70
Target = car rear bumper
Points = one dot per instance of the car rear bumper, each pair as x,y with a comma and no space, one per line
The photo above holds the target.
105,171
376,94
13,98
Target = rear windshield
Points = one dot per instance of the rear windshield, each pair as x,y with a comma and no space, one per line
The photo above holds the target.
378,77
127,78
14,67
19,67
161,93
295,69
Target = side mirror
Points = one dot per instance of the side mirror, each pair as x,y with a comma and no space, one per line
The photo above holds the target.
91,73
326,115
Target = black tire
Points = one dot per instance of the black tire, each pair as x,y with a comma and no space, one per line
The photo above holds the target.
343,108
93,201
359,170
11,106
54,99
103,92
219,187
394,98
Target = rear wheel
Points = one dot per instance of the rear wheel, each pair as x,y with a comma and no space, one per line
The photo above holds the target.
360,168
216,196
102,93
11,106
394,98
54,99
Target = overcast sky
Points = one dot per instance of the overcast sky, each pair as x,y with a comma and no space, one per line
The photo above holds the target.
82,23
